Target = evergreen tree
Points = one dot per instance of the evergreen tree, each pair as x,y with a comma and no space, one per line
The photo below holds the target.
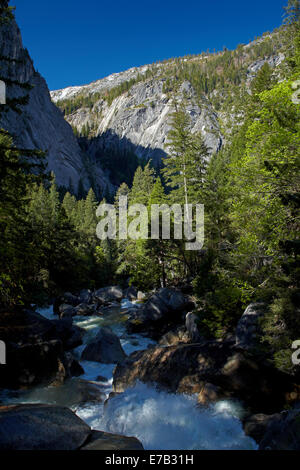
69,205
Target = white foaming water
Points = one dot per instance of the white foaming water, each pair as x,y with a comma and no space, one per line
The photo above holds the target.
164,421
161,421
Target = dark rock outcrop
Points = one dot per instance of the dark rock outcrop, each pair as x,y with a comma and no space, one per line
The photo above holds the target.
130,293
100,440
280,431
35,348
283,432
41,427
52,427
164,310
256,425
41,124
188,368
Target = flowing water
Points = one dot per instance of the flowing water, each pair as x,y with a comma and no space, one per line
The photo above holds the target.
161,421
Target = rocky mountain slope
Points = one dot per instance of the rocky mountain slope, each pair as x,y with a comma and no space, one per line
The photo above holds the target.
41,124
127,115
131,110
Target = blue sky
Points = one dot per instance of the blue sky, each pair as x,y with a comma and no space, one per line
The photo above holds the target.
74,42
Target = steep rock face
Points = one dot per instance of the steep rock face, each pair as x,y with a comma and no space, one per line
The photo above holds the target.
131,110
41,124
139,120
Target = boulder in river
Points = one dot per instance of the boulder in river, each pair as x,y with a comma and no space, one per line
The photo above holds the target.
162,311
131,293
52,427
70,335
41,427
85,309
68,299
108,294
85,296
66,310
106,348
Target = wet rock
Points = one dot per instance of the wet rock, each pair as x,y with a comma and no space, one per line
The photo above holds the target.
85,309
101,378
70,335
108,294
85,296
172,367
131,293
66,310
100,440
41,427
174,337
160,313
141,296
210,393
187,368
72,365
106,348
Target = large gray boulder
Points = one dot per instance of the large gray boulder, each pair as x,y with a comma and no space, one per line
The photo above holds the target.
66,310
36,348
85,309
85,296
106,348
131,293
70,335
108,294
283,432
164,310
41,427
248,328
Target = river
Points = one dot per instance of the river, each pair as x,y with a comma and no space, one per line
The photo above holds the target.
161,421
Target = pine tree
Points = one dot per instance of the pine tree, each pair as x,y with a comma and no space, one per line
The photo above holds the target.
89,222
142,185
69,205
263,80
186,161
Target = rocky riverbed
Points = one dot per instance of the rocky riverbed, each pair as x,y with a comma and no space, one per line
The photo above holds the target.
103,365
